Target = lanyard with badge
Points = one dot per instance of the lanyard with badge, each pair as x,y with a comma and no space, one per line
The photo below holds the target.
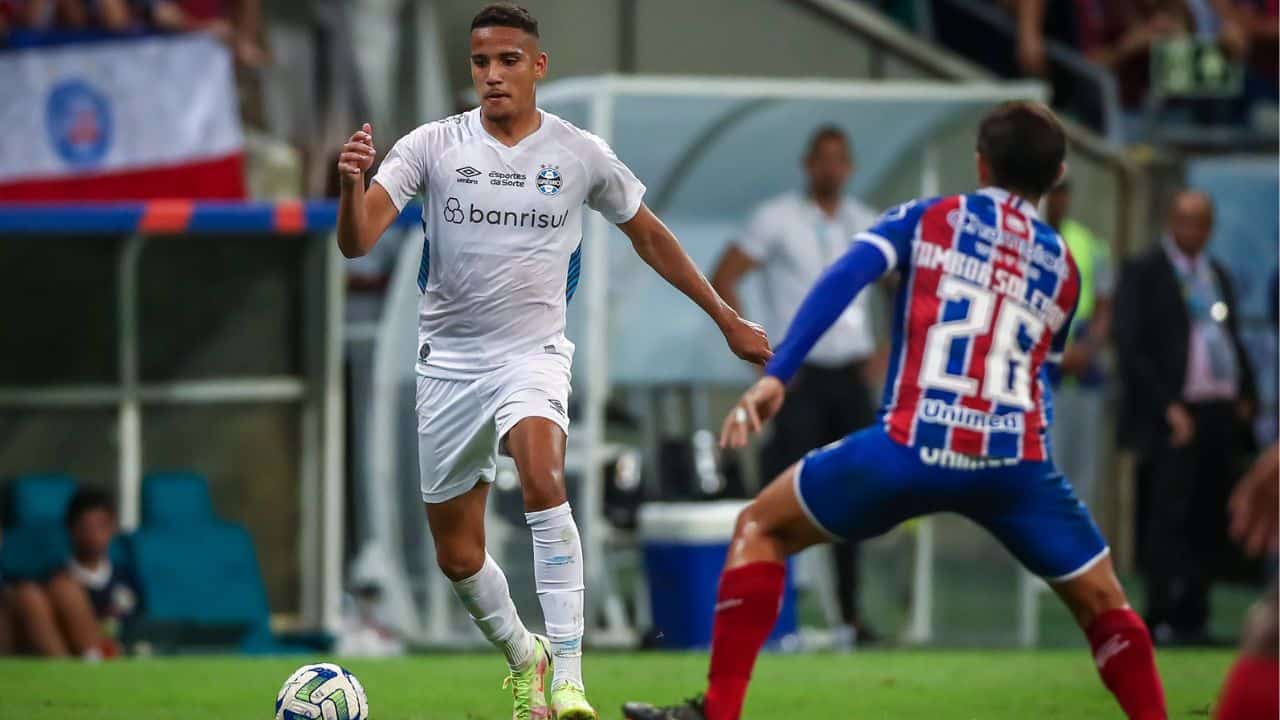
1207,310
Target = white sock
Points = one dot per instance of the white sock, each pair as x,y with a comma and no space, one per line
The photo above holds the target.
557,572
488,598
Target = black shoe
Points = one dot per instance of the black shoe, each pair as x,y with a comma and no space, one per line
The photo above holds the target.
687,710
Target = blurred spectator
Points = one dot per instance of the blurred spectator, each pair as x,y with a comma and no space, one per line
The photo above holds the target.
35,619
238,23
1254,27
1189,400
113,591
1037,21
1018,46
78,610
1080,397
1119,36
1034,22
8,16
790,240
66,14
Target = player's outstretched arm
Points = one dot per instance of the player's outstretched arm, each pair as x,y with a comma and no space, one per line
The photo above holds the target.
862,265
363,215
657,246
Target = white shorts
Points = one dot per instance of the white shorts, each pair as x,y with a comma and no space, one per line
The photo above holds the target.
461,422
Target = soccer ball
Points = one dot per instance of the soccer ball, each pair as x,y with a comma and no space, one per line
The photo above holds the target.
322,692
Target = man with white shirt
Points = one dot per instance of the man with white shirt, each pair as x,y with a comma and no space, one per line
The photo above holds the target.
505,185
1189,398
790,240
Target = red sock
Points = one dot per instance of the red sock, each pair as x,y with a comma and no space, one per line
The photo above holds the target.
1127,663
746,609
1252,691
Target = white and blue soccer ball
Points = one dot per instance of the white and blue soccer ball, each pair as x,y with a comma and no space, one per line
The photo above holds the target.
323,691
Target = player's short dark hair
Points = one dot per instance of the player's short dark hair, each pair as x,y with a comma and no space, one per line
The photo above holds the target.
86,500
505,14
825,133
1024,145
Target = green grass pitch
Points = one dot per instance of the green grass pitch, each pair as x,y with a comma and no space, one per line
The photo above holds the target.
893,685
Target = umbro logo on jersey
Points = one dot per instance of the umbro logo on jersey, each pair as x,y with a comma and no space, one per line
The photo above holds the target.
468,174
557,406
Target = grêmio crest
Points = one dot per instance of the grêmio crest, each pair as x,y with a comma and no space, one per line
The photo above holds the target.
548,180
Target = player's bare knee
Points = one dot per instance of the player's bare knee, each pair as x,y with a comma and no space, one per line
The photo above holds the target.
1261,629
543,489
752,524
459,563
1093,595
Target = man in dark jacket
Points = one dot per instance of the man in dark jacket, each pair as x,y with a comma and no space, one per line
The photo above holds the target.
1189,399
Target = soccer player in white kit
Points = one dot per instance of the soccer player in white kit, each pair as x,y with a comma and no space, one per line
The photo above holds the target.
504,187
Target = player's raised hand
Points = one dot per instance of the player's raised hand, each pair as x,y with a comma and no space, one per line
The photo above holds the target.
747,340
357,155
759,403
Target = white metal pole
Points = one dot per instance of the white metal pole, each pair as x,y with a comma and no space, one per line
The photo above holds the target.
333,449
596,344
432,79
310,517
920,629
130,411
394,348
1029,589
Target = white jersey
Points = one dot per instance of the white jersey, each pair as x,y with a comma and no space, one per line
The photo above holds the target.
503,235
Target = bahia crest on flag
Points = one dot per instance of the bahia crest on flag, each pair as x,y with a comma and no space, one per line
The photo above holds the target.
133,119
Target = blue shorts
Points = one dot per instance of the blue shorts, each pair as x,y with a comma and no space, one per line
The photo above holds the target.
866,484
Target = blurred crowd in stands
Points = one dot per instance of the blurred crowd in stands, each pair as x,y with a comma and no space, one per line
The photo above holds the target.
1226,49
238,23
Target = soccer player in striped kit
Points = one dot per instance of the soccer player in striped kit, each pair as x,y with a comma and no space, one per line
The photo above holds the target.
985,300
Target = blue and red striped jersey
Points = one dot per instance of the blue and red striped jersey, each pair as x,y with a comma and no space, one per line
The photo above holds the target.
986,296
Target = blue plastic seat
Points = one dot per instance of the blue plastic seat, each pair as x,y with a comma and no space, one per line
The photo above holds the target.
40,499
196,568
35,540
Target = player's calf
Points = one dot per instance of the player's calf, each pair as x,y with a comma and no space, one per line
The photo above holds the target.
773,527
537,446
1122,649
1252,688
558,575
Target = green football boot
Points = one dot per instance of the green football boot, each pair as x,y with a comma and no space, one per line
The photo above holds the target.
569,702
529,686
